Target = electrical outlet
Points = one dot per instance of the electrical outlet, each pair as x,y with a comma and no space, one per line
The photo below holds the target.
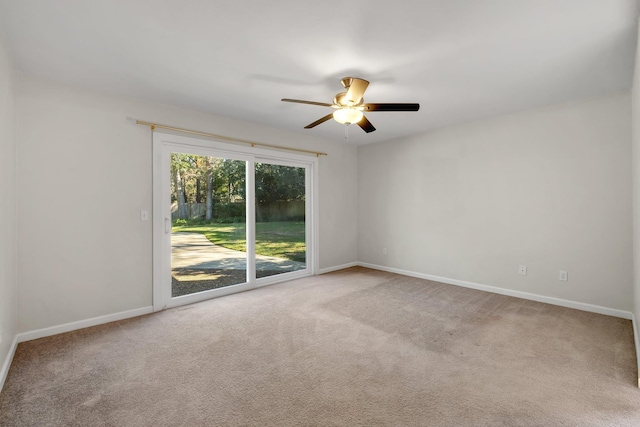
144,215
384,251
564,276
522,270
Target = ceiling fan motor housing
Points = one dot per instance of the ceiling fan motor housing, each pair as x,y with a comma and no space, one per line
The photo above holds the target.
341,100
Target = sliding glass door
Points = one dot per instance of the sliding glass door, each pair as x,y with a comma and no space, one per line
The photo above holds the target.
226,220
280,198
208,223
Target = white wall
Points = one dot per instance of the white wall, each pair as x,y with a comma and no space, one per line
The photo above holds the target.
8,263
84,174
635,130
550,189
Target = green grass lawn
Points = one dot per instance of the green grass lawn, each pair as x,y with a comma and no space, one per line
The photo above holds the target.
277,239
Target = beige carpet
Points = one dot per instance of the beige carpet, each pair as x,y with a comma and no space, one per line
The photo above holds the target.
352,348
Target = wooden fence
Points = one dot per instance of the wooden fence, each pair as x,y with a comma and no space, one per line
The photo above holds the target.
273,211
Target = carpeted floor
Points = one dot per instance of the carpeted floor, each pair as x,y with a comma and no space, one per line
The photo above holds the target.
352,348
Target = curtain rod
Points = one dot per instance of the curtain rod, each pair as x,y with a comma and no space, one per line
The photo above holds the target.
155,126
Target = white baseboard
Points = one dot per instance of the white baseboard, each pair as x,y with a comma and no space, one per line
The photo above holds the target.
337,267
635,338
67,327
7,362
512,293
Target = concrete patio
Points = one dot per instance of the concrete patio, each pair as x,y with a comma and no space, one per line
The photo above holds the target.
193,251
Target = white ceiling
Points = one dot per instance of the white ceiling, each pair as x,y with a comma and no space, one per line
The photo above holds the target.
462,60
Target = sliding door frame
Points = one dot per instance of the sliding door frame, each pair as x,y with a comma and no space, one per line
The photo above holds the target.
163,145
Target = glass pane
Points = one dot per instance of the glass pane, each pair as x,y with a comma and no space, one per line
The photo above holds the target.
280,219
208,236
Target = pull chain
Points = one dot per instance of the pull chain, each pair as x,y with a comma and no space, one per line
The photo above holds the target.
346,132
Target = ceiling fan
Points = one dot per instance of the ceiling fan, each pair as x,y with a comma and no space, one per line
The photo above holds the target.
350,105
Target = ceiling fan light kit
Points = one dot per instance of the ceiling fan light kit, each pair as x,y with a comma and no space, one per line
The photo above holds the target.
350,105
347,116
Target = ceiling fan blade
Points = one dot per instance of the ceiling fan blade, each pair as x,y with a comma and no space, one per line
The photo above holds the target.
319,121
356,90
366,125
391,107
300,101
